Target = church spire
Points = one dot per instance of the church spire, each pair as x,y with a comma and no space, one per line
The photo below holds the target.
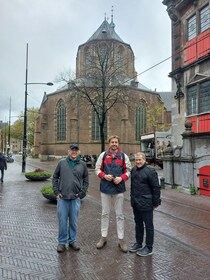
112,22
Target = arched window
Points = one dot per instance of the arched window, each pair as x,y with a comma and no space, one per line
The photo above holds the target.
96,127
140,120
87,60
61,121
120,59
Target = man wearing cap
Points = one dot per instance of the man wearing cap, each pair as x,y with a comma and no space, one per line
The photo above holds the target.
70,183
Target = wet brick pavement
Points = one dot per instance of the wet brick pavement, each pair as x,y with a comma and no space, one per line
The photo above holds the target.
28,236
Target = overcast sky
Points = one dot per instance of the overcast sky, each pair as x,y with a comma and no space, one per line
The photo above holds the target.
54,29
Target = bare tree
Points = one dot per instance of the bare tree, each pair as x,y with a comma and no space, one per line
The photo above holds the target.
64,77
102,84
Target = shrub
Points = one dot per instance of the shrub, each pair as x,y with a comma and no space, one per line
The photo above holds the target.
38,175
47,189
48,193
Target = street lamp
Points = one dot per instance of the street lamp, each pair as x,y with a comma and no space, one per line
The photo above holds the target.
25,113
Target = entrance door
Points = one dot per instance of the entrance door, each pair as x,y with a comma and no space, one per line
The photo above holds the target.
204,180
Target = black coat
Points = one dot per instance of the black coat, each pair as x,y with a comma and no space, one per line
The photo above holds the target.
3,162
145,188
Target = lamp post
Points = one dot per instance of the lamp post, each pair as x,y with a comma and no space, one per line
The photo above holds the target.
25,113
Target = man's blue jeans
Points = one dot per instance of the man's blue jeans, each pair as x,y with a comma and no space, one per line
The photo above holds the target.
68,212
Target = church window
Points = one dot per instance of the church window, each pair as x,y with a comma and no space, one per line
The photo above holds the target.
87,60
140,120
61,121
96,127
120,59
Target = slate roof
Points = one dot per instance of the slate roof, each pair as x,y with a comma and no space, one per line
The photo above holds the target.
105,32
166,96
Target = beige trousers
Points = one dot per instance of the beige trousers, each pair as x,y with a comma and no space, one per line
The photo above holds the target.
106,200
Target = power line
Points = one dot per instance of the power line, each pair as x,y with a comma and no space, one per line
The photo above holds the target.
172,56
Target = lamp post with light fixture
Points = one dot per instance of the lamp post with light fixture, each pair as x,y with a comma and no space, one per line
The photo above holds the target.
25,113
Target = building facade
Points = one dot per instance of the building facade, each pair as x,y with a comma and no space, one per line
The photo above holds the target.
190,21
67,115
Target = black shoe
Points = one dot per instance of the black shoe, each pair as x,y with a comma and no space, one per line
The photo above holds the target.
74,246
61,248
146,251
135,247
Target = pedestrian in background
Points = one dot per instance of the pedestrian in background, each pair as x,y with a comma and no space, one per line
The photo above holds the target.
145,197
3,165
113,168
70,183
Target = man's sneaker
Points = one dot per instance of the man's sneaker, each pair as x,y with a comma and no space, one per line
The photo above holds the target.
74,246
146,251
135,247
123,246
61,248
101,243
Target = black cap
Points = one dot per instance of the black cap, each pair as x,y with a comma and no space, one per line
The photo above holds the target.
74,146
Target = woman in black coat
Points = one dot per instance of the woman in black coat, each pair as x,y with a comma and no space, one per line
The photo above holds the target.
145,197
3,166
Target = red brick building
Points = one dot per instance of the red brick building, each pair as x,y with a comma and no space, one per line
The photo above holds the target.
63,119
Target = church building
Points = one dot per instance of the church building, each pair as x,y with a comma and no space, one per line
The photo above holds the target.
106,82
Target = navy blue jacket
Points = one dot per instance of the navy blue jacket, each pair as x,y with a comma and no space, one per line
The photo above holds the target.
117,165
145,188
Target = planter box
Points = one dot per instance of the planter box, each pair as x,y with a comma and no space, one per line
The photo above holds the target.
37,178
51,197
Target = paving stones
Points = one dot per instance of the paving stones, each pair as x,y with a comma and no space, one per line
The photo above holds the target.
28,237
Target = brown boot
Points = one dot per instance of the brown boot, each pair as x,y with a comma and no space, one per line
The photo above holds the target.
101,243
123,246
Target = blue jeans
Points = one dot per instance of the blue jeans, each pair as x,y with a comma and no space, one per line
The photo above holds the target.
68,212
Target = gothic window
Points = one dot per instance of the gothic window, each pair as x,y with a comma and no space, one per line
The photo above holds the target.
120,59
191,28
96,127
204,19
140,120
103,51
61,121
87,60
198,99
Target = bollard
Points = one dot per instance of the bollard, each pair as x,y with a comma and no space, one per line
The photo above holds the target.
162,182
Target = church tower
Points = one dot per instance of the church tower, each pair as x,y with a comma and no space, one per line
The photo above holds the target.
106,36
